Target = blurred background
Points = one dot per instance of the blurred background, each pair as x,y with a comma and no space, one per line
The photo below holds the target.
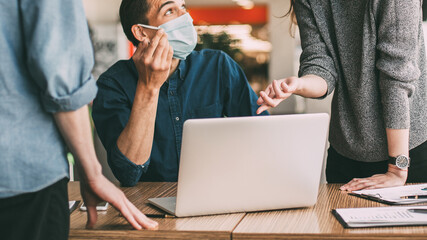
253,32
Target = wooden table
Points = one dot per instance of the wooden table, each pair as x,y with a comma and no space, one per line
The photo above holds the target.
318,222
307,223
111,226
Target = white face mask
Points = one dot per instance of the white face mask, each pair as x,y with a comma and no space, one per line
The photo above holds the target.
181,35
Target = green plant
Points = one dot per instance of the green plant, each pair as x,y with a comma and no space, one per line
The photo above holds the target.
221,41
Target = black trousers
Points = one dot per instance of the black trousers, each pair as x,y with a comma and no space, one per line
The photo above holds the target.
340,169
42,215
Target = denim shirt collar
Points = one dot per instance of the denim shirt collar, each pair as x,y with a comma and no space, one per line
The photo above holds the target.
181,70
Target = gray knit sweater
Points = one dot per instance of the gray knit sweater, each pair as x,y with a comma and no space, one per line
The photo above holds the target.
371,52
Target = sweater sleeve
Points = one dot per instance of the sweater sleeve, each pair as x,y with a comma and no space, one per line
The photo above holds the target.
315,59
398,50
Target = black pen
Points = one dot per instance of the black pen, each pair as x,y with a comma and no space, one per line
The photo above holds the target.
414,197
159,216
155,215
418,210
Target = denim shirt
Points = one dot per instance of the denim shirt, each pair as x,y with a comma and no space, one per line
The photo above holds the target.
46,60
207,84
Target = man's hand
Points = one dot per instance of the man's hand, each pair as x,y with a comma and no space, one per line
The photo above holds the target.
276,92
394,177
75,128
153,60
99,189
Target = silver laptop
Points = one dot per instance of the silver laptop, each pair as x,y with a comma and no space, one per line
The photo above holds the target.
247,164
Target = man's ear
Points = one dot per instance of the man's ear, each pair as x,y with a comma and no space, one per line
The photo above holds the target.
138,32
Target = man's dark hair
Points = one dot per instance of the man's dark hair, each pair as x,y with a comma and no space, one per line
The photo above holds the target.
133,12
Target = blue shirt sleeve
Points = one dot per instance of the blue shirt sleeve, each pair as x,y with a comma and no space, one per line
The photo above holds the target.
59,53
127,172
111,111
240,99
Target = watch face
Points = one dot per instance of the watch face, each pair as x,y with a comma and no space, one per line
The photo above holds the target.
402,162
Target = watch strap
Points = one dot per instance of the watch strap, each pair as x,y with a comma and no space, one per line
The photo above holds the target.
392,160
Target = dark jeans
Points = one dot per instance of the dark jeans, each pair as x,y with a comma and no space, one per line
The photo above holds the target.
41,215
340,169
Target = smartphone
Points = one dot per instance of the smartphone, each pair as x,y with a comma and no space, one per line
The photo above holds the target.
102,206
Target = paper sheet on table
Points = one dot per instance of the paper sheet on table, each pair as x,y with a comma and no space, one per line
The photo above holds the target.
393,195
380,216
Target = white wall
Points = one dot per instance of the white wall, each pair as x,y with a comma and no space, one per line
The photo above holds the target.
102,11
282,56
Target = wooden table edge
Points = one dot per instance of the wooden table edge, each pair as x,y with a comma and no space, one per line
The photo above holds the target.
379,236
147,234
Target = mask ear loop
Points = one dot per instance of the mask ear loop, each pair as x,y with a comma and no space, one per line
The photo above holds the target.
149,27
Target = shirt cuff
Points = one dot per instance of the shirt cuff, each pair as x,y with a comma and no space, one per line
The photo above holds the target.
126,171
77,99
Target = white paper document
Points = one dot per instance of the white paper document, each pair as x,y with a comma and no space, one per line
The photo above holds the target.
72,205
395,195
381,216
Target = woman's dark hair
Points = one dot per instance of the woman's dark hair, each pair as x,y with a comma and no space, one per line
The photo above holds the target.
133,12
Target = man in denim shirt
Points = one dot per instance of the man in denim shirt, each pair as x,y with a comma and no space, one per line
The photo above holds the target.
143,102
45,83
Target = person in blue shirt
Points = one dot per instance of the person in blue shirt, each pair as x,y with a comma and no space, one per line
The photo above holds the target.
143,102
45,85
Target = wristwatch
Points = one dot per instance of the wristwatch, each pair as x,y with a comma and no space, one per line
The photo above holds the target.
400,161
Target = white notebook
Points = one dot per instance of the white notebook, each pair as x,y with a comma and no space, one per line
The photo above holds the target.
381,216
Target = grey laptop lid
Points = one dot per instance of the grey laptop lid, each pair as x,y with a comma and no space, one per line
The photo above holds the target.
249,164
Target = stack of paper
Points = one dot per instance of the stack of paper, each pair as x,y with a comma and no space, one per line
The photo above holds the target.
381,216
395,195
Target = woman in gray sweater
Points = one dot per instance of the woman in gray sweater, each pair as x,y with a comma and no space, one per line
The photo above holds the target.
371,54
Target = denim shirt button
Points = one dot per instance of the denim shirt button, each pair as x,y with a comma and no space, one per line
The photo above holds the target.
177,118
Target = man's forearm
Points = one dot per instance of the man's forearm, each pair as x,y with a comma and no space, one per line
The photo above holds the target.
76,131
154,63
136,139
94,187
